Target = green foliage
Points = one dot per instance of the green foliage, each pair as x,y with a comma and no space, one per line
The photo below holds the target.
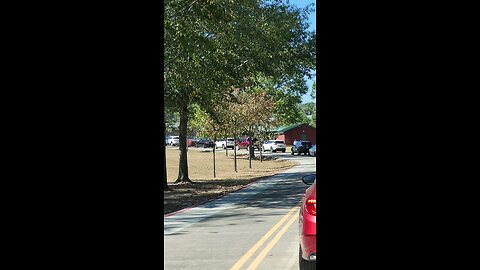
223,44
308,111
216,48
171,121
308,108
286,97
314,118
314,90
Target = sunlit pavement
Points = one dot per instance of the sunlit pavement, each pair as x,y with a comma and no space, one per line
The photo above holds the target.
255,228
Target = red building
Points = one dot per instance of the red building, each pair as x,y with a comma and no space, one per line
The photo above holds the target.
303,132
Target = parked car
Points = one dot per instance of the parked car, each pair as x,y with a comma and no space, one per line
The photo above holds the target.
274,146
244,143
191,142
173,140
204,143
307,221
300,147
230,143
313,151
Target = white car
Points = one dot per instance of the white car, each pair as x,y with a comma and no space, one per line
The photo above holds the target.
274,146
222,144
173,140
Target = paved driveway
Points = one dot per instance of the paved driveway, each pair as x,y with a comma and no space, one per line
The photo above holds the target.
255,228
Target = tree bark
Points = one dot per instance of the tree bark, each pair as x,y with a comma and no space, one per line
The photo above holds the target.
165,182
250,155
261,158
251,146
214,174
235,152
183,166
226,147
250,150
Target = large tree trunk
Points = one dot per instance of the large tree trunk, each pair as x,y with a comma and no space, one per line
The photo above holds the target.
165,183
261,158
183,166
251,146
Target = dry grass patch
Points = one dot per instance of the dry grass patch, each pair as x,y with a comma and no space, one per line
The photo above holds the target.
200,165
205,187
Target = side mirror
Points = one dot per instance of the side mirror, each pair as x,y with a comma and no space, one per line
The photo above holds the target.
309,179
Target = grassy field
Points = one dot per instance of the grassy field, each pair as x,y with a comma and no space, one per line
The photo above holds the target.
205,186
200,165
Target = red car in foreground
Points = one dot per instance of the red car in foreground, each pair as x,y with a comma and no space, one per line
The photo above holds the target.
308,225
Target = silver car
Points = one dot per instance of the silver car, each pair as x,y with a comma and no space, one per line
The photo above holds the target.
173,140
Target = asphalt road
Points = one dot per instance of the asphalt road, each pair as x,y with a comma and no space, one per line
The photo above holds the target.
254,228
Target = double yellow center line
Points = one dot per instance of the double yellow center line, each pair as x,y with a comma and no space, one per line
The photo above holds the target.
270,245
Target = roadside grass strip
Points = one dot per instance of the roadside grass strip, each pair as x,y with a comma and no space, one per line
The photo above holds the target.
260,242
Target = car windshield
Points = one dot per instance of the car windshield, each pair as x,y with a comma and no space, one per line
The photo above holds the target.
279,141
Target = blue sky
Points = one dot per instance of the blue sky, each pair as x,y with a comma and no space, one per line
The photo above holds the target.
312,20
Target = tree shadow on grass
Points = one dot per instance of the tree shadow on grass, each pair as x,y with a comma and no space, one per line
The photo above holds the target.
189,194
